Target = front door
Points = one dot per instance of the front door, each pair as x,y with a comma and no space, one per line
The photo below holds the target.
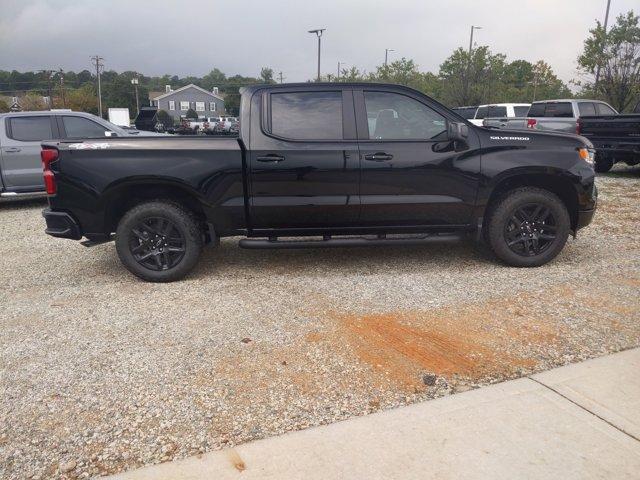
21,163
304,161
412,175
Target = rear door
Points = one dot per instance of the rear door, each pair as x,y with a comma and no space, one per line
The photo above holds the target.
21,164
304,163
412,175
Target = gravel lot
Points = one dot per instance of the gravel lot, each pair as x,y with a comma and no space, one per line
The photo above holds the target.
100,372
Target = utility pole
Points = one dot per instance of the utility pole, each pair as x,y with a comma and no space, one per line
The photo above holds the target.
386,55
62,94
134,82
318,32
280,76
339,65
606,22
466,83
97,60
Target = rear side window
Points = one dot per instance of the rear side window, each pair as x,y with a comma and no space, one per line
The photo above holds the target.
467,113
521,111
496,111
586,108
536,110
78,127
31,129
482,112
604,109
307,115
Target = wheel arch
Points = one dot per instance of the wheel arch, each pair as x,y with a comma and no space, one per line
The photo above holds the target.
120,198
556,183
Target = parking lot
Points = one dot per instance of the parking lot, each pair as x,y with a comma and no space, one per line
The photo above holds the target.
100,372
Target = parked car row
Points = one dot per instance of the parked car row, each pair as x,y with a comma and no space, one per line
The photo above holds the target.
478,114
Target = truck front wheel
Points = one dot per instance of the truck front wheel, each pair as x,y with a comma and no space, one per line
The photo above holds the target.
603,163
528,227
159,241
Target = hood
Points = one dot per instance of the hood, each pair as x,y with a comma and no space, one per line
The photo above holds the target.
533,138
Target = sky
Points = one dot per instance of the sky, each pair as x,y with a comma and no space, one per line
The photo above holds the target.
241,36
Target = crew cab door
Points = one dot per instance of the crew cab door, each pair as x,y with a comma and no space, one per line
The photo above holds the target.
20,159
304,167
412,174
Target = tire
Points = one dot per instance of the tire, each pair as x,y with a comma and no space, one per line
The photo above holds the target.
528,227
159,241
603,163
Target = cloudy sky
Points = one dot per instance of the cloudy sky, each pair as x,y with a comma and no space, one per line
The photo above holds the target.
190,37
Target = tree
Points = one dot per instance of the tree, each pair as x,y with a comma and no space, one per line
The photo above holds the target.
165,118
266,75
32,102
83,99
4,106
616,54
191,113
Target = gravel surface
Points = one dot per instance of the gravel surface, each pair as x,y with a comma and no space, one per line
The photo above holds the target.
100,372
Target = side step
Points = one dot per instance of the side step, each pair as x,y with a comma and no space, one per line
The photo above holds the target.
328,241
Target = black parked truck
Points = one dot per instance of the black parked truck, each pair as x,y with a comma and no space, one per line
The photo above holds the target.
329,165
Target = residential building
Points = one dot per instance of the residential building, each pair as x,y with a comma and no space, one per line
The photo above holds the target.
177,102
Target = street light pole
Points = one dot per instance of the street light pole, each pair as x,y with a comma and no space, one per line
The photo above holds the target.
466,83
98,63
606,22
386,55
134,82
318,32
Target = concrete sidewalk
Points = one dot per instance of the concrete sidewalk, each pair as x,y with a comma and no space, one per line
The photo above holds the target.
581,421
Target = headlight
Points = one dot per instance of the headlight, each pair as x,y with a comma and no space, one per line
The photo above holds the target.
587,154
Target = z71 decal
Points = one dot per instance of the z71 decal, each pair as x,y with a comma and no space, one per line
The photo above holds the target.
89,146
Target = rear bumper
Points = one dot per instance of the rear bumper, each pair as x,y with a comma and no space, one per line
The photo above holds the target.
61,225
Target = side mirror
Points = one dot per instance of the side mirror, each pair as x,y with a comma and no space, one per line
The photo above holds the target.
457,131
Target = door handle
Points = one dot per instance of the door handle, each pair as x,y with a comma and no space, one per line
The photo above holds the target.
378,157
13,150
271,158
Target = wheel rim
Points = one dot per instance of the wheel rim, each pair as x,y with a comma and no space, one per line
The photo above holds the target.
530,230
156,243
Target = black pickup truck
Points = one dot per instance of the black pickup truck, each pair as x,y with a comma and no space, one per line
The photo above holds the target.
330,165
616,138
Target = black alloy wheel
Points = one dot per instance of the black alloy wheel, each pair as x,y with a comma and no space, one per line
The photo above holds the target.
157,244
530,230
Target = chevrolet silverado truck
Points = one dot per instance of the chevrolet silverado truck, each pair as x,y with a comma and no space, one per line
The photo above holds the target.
616,138
322,165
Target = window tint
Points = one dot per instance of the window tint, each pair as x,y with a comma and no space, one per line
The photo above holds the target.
482,112
536,110
307,115
586,108
31,129
521,111
495,111
604,109
78,127
561,109
392,116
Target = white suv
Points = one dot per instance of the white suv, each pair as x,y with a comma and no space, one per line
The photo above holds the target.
501,110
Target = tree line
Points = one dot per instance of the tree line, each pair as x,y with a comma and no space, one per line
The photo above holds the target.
608,69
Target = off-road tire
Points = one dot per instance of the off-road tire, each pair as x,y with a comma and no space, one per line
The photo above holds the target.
603,163
503,210
184,222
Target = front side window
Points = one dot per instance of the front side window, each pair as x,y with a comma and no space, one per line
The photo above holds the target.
172,105
31,129
392,116
184,106
307,115
199,106
586,108
78,127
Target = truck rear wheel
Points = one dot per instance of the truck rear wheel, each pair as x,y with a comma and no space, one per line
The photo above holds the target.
159,241
528,227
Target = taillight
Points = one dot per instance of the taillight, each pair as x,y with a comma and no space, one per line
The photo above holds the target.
531,122
48,156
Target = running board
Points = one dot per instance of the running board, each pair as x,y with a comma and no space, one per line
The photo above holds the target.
328,241
22,194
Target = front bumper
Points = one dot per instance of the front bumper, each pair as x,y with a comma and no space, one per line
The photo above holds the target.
585,216
61,225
